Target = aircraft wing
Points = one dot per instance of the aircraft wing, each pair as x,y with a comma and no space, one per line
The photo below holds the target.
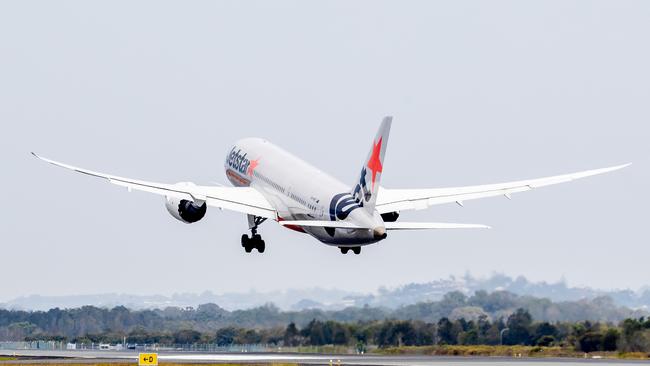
391,200
241,199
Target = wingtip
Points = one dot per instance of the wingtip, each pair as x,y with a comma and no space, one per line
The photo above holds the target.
619,167
605,170
477,226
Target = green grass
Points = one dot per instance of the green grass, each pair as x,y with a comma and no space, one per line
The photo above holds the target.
504,351
327,349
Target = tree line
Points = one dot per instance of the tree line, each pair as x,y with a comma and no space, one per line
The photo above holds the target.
208,318
266,324
519,328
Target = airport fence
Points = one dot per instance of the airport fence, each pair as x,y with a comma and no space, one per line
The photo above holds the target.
44,345
209,348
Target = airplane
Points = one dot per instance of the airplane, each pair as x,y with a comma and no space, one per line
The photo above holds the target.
270,183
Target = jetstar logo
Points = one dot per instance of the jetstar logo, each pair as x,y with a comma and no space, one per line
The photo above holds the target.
361,193
342,205
240,163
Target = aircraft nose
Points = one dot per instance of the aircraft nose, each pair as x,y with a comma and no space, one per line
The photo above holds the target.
379,232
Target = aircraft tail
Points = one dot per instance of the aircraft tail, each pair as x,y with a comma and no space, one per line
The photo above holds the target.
366,188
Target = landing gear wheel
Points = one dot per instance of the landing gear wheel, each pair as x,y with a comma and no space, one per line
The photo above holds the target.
344,250
356,250
261,246
247,243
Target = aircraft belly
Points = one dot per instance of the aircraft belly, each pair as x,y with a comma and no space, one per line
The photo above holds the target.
342,237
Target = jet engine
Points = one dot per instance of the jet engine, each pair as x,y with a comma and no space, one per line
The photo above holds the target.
184,210
390,216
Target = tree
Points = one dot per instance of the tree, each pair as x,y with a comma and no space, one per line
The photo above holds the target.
446,334
468,338
291,336
248,336
635,337
545,341
401,333
610,339
519,323
139,336
314,333
590,342
384,336
225,336
21,330
186,336
340,334
492,335
543,331
404,334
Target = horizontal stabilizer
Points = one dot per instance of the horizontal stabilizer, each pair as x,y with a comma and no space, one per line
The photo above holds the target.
315,223
389,225
430,226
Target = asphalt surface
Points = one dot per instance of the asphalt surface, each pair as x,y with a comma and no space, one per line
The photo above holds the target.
80,357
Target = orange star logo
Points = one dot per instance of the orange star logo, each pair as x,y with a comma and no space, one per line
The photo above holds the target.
252,166
374,163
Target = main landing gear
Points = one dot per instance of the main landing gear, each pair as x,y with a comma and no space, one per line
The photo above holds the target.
355,250
255,241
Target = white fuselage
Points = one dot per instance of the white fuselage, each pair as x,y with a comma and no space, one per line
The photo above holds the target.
297,190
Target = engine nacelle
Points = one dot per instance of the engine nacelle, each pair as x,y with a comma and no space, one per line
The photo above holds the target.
185,210
390,216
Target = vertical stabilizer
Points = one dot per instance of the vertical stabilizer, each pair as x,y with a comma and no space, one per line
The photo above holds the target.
366,187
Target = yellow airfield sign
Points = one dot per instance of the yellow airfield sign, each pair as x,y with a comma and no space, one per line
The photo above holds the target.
148,359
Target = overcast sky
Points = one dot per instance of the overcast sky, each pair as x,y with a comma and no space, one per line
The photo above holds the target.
481,92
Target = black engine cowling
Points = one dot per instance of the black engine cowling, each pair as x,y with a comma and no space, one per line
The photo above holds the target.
390,216
186,211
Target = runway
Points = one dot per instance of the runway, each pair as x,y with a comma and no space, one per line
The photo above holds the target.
80,357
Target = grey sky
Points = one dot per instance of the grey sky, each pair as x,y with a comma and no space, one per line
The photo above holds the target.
481,92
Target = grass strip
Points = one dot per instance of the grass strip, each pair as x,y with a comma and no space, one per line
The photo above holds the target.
506,351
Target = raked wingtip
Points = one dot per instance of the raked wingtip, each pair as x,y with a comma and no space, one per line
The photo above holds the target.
38,156
618,167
